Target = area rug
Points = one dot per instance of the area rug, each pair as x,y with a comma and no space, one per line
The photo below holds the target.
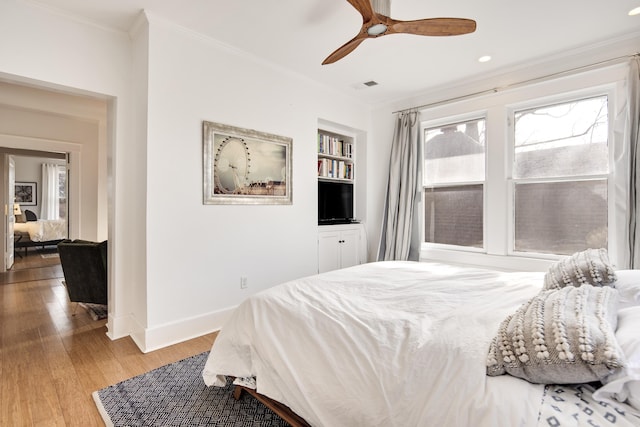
175,395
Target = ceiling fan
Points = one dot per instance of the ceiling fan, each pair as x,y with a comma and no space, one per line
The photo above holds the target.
377,23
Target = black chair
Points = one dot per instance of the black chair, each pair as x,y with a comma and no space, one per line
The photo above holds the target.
30,215
84,265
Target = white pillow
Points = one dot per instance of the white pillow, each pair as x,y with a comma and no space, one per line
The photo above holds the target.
564,336
628,285
624,385
588,267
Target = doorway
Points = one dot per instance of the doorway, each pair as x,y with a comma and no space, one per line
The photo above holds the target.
52,121
58,123
37,218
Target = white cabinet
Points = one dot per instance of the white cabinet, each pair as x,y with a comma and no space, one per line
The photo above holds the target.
340,246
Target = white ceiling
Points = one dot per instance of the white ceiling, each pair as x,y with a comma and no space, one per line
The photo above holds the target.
299,34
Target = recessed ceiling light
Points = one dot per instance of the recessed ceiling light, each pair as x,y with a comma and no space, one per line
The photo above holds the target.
370,83
634,12
485,58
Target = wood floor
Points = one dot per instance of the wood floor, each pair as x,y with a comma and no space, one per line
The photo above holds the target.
51,361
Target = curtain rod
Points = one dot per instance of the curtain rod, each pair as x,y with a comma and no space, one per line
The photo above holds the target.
516,84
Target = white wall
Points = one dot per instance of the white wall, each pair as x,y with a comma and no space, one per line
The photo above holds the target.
29,169
176,263
44,49
197,253
377,161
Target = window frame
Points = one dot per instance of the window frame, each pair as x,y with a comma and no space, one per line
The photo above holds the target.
562,98
445,121
62,170
498,194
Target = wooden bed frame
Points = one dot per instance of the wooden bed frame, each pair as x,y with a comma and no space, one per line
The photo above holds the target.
281,410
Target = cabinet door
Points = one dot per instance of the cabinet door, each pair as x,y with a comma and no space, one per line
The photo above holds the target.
328,251
349,248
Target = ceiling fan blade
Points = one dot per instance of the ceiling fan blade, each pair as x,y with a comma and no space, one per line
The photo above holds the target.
434,27
345,49
364,7
376,24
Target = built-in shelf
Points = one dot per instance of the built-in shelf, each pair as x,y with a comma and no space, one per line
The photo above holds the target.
341,234
335,157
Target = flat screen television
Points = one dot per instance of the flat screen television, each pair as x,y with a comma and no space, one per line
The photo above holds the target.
335,203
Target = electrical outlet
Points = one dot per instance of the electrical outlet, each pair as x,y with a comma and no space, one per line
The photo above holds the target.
243,283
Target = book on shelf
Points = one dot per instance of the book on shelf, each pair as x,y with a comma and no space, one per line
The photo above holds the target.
334,146
333,168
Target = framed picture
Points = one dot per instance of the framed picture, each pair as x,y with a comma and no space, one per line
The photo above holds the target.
26,193
244,166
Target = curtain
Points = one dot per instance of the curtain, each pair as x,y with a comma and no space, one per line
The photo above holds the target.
633,101
50,201
400,239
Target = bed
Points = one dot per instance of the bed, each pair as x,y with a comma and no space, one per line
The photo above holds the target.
407,344
39,233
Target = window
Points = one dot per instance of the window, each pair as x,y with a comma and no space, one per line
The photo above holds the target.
552,177
560,177
454,175
62,192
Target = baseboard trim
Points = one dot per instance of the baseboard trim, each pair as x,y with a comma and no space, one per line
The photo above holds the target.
182,330
119,327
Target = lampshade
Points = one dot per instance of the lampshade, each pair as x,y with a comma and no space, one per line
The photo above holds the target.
16,209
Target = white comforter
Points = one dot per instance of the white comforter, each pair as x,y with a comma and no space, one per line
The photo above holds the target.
382,344
43,230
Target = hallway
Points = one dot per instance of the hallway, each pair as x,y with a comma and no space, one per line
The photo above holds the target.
50,360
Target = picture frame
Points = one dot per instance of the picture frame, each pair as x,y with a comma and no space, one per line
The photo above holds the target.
26,193
243,166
